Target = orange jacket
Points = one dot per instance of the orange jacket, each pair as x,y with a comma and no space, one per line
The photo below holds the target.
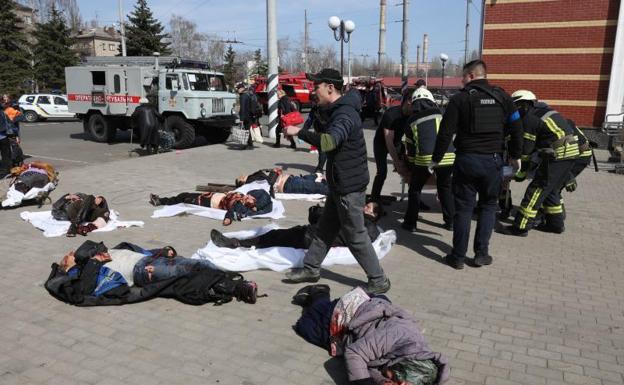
12,113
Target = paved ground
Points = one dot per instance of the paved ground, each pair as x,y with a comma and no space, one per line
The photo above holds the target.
548,311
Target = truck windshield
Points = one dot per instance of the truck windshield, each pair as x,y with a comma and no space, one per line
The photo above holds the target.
205,82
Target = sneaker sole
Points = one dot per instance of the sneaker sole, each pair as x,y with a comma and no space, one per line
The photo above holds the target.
302,280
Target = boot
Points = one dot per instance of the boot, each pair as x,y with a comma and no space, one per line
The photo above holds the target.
222,241
73,229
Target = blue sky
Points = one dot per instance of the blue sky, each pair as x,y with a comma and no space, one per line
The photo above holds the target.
443,20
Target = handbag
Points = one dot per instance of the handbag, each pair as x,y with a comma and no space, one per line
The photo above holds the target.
240,135
291,119
256,134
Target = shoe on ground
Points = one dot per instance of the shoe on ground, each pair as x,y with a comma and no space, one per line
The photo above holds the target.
277,145
482,260
221,240
154,200
293,146
448,226
72,231
409,227
512,230
308,294
298,275
246,291
549,229
379,288
454,262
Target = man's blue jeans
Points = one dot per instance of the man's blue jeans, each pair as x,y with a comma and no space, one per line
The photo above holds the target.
305,184
475,174
164,268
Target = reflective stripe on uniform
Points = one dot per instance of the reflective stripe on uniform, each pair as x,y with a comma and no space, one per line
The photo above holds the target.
528,136
551,210
529,211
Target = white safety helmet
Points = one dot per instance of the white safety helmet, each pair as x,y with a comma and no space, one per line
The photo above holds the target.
422,93
524,95
143,100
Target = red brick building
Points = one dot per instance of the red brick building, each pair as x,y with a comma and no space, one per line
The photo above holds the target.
562,50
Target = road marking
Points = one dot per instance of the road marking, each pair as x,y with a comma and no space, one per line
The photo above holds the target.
61,159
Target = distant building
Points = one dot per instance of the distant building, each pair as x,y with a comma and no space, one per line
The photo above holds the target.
27,18
98,42
564,51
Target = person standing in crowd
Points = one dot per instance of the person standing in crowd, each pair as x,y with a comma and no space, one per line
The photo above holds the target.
316,120
478,116
245,112
8,129
421,131
549,136
347,176
386,141
284,107
147,119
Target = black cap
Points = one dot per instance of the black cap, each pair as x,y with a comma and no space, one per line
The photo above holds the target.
327,75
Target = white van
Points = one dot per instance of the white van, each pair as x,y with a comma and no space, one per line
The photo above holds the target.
43,106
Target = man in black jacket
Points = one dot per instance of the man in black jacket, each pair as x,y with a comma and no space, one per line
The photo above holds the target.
347,176
478,116
245,112
299,237
147,119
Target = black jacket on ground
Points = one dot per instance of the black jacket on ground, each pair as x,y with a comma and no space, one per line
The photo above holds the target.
457,121
347,164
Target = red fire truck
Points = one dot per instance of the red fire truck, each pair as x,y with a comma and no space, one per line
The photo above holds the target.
296,86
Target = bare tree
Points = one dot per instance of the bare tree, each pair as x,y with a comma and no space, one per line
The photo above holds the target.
69,9
187,42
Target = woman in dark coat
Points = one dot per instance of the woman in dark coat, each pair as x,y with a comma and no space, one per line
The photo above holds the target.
284,106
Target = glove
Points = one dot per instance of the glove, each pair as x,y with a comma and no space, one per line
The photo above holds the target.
571,185
431,166
520,176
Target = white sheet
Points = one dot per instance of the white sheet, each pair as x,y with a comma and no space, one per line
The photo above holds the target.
279,258
208,212
300,197
52,228
14,198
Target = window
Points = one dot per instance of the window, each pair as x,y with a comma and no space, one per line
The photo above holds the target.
60,101
205,82
27,20
111,47
117,83
43,100
99,78
30,99
171,82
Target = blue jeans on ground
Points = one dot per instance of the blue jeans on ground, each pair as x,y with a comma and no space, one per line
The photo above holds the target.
305,184
164,268
475,174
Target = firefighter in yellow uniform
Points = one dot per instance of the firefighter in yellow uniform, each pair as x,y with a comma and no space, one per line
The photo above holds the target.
549,141
421,131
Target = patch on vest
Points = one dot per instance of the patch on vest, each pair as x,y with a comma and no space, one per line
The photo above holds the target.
488,101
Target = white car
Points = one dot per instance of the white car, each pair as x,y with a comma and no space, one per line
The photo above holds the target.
43,106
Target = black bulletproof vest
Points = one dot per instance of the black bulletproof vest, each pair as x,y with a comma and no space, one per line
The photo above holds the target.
487,110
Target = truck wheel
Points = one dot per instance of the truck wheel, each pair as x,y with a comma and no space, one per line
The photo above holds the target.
31,116
100,129
183,131
217,134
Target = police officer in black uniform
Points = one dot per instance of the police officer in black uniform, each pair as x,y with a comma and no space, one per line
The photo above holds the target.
478,116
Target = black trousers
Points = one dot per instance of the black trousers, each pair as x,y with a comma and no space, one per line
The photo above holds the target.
299,237
380,151
5,152
185,197
420,175
544,192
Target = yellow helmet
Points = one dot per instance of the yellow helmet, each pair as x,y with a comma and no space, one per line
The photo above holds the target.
524,95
